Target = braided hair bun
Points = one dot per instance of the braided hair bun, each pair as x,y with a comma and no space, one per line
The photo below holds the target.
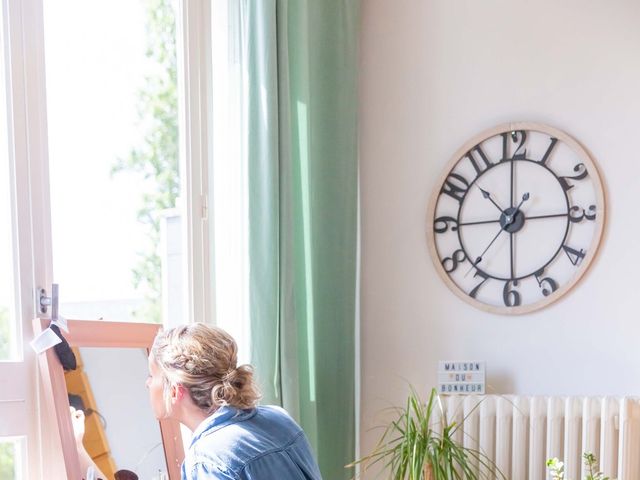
203,359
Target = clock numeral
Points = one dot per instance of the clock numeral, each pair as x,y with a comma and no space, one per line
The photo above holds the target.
551,285
523,138
589,214
451,263
505,146
582,173
456,186
484,276
518,154
574,255
545,157
486,163
510,297
441,224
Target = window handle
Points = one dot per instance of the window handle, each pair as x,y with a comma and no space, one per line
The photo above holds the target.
45,301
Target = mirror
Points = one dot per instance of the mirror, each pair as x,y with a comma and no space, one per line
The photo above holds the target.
120,429
108,384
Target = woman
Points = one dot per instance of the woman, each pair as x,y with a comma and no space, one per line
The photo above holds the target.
194,378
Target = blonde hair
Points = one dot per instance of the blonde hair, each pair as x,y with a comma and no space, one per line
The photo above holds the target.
203,360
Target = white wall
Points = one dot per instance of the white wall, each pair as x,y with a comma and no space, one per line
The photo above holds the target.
433,74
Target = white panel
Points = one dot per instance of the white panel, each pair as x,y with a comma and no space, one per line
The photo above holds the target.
629,457
537,438
488,431
436,417
15,419
572,437
609,437
454,413
504,412
555,427
518,434
591,418
471,437
521,416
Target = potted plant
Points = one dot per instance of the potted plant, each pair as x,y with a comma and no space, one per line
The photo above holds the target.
556,468
419,445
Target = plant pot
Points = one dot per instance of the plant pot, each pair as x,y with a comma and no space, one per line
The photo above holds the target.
428,472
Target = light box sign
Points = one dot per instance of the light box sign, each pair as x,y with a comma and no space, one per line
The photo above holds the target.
462,378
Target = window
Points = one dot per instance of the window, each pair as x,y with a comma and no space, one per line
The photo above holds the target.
112,110
85,100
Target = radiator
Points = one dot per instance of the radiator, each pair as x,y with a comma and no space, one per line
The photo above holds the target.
520,433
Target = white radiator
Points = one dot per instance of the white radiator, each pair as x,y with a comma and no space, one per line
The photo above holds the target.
520,433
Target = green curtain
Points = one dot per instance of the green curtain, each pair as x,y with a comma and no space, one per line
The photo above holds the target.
301,59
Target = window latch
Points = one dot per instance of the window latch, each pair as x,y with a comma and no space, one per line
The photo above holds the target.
44,301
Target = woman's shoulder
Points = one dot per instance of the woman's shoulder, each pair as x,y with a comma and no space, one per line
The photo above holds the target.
264,423
276,414
272,410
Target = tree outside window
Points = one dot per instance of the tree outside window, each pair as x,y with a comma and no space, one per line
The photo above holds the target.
155,159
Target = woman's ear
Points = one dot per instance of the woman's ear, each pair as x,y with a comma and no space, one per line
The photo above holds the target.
176,393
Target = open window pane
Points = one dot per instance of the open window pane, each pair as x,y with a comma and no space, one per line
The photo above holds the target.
12,463
113,157
8,321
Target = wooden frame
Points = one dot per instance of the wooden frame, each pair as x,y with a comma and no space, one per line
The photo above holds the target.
599,222
87,333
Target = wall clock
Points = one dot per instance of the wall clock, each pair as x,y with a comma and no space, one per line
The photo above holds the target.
516,218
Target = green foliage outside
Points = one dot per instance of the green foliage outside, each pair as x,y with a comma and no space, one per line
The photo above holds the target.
7,467
4,336
155,159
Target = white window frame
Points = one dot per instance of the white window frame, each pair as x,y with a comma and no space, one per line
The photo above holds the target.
23,409
195,107
20,406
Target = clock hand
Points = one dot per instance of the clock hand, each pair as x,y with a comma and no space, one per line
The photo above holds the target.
509,219
513,196
547,216
487,195
512,216
479,259
525,197
481,222
511,254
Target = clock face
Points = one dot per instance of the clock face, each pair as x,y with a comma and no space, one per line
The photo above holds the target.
516,218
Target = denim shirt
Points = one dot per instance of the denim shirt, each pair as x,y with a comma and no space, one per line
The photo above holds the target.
262,443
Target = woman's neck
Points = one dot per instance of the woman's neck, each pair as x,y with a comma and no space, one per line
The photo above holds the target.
192,418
